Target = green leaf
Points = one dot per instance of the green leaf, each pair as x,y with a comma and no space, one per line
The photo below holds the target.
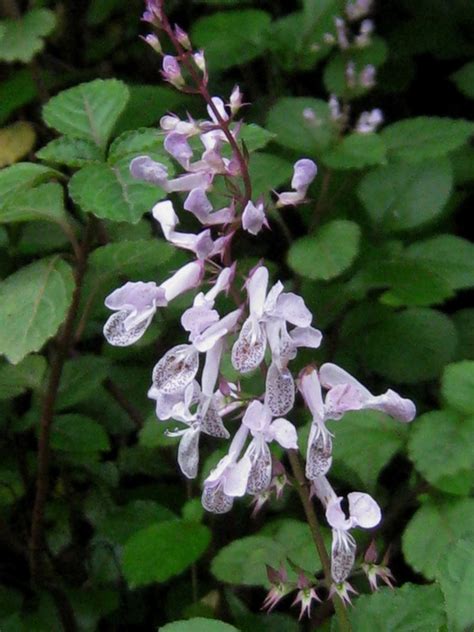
328,253
254,137
21,176
361,433
448,256
464,321
163,550
34,302
410,608
231,38
23,37
80,379
89,110
356,151
434,530
335,71
406,196
294,130
464,79
44,202
198,624
78,433
457,386
410,346
16,91
69,151
440,444
110,192
456,578
123,522
268,172
425,137
16,379
136,141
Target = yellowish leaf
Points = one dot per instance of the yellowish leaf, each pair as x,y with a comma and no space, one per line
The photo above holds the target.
16,141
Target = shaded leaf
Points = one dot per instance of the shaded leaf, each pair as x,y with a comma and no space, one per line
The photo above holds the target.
22,38
16,141
78,433
70,151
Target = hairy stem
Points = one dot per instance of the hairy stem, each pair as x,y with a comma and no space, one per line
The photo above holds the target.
302,485
64,342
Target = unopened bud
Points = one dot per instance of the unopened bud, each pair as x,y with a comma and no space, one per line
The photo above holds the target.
152,40
200,60
172,71
182,37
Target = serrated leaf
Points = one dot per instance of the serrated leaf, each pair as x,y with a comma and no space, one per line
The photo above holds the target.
21,176
78,433
405,196
410,346
361,433
16,141
293,130
44,202
137,141
16,379
456,577
69,151
231,38
410,608
425,137
441,445
33,304
433,531
163,550
110,192
457,386
80,379
328,253
198,624
356,151
23,37
89,110
448,256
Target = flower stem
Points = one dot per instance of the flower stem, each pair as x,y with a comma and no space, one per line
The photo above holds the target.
302,484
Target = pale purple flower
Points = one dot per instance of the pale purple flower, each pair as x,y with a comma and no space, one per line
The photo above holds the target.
172,123
369,122
200,61
254,218
182,37
335,108
235,101
219,105
366,29
280,587
258,419
305,596
341,31
358,9
152,40
198,204
304,172
346,393
171,71
228,480
350,74
367,76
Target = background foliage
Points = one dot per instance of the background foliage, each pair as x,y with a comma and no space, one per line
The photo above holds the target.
382,255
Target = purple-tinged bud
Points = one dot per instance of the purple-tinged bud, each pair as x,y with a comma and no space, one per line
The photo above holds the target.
309,116
343,589
305,596
350,74
253,217
334,108
341,33
358,9
153,13
182,37
172,72
152,40
280,587
367,76
366,30
328,38
200,61
235,101
369,122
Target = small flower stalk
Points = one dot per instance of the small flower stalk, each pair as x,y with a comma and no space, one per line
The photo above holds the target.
264,331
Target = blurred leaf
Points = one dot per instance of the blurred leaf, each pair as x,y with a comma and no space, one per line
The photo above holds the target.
198,624
434,530
425,137
448,256
89,110
124,521
91,604
361,433
44,202
16,141
356,151
410,608
78,433
464,321
69,151
80,379
410,346
16,379
22,176
110,192
328,253
16,91
163,550
23,37
231,38
99,11
289,120
464,79
457,387
255,137
34,302
456,578
440,444
405,196
193,511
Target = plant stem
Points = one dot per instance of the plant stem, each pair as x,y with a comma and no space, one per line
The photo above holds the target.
302,484
64,342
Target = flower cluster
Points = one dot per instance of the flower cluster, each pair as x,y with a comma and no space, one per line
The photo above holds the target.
263,332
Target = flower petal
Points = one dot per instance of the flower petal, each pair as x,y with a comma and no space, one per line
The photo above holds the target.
343,552
118,335
284,433
176,369
260,475
249,349
292,308
319,453
364,510
236,478
257,417
188,452
279,390
214,499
